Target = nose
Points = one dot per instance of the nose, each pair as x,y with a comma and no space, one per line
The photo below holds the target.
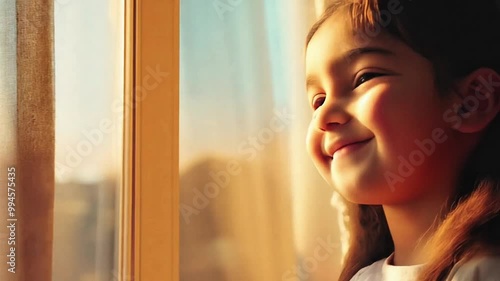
330,115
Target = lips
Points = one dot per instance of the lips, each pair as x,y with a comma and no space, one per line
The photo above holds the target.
343,143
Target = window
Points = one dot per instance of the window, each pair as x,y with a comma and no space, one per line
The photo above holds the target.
119,69
89,81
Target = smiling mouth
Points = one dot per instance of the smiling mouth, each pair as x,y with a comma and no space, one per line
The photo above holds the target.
346,149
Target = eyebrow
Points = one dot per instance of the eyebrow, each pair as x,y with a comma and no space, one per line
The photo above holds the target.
350,56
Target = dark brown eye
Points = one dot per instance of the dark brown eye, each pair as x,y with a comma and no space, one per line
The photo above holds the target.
318,101
365,77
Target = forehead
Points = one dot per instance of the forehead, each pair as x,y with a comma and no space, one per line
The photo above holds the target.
336,28
336,37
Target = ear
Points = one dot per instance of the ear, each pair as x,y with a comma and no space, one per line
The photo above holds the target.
478,100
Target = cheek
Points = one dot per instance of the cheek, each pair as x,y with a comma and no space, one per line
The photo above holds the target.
380,110
313,142
395,116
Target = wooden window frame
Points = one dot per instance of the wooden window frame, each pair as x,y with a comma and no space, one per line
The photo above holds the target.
149,214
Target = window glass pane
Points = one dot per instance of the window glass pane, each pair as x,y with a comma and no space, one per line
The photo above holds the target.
89,115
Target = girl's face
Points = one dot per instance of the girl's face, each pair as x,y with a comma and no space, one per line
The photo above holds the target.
381,94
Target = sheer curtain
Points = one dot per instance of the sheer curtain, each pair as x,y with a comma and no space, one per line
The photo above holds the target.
27,139
253,207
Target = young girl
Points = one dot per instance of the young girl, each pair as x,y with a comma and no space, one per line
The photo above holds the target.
405,96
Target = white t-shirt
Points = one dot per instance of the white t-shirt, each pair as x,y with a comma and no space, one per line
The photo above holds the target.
477,269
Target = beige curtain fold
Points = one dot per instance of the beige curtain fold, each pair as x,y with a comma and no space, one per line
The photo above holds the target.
35,145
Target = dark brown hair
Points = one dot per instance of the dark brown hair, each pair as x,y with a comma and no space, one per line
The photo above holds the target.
457,37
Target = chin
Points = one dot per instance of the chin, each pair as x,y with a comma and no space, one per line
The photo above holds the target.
358,193
356,198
